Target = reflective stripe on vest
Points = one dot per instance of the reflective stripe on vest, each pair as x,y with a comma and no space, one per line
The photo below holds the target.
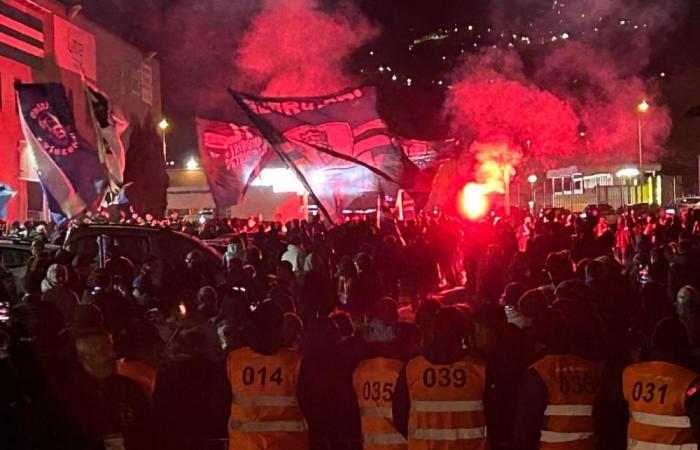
383,439
281,426
375,411
568,410
641,445
556,436
264,400
448,434
447,406
661,420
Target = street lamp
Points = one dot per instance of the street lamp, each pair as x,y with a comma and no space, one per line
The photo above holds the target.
192,164
532,179
641,109
163,125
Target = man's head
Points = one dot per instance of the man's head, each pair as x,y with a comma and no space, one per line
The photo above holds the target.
49,122
266,324
194,259
208,301
669,341
37,247
449,327
687,301
95,354
382,317
363,262
57,275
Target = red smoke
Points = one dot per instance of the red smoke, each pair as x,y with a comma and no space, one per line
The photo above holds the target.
606,98
510,120
292,48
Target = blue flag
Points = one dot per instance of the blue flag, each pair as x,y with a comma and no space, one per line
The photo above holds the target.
337,145
6,193
69,168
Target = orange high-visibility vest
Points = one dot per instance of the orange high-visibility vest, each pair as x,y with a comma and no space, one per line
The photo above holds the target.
655,392
374,381
573,384
265,413
447,409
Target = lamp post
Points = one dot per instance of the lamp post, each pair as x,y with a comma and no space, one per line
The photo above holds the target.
163,125
642,107
532,179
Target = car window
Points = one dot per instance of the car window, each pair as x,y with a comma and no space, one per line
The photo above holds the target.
13,257
135,248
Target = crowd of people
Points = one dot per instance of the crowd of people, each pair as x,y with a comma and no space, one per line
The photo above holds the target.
435,333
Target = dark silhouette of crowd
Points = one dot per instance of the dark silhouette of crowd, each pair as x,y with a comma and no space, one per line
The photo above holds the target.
556,332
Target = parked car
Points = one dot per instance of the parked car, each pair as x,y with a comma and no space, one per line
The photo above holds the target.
14,256
139,244
683,203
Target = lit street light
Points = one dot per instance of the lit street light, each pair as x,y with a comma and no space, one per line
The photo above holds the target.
163,125
192,164
641,109
532,179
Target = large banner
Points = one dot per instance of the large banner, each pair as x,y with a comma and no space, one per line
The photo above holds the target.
108,128
232,156
428,154
69,168
337,145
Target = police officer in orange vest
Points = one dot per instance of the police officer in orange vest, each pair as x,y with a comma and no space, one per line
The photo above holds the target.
662,393
375,378
438,402
265,412
558,392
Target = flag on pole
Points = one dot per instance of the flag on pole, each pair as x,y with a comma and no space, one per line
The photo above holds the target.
6,194
68,167
337,145
108,130
428,154
232,156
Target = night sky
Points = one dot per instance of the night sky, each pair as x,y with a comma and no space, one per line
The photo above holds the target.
177,28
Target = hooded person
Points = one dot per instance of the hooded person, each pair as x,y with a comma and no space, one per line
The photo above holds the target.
375,377
438,401
264,378
326,373
555,403
190,397
661,393
55,290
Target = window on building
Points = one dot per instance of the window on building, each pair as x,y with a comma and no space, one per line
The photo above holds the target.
601,179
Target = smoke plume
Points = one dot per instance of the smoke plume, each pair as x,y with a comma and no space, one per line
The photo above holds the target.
294,48
567,90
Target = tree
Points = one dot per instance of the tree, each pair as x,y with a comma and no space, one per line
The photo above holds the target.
145,172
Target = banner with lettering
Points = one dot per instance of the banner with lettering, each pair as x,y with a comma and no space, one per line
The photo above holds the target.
68,167
337,145
232,156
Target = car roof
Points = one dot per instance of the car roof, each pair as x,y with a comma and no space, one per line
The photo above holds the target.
142,229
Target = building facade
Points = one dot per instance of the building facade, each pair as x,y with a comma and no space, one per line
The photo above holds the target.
576,187
42,41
